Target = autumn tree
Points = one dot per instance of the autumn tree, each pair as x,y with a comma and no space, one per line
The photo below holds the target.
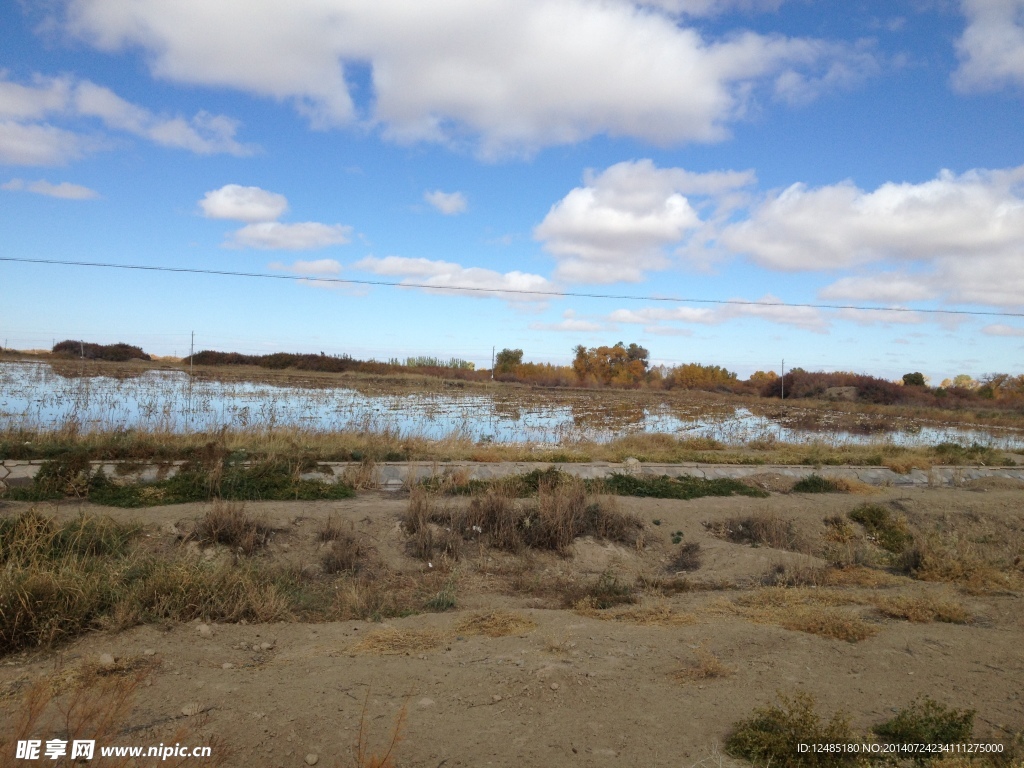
617,365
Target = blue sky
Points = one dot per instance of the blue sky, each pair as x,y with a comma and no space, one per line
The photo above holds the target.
755,150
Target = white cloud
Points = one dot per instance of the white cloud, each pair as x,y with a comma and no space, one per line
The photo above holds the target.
301,236
25,140
882,287
654,315
40,144
45,96
569,322
448,203
617,226
881,316
443,276
204,134
658,319
249,204
712,7
999,329
65,190
991,48
496,72
317,268
974,215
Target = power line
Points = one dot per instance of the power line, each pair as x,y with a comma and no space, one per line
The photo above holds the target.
519,291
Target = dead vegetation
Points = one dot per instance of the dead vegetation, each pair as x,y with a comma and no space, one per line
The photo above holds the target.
761,529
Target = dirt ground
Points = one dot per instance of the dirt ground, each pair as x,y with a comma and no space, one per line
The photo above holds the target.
573,687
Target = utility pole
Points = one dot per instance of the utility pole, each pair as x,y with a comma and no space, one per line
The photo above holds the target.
191,353
783,379
81,344
492,363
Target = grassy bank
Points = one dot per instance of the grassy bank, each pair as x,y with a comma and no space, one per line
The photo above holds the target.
294,446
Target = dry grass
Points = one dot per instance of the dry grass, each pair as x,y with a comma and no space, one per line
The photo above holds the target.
686,558
362,476
923,609
392,641
658,614
707,667
815,611
97,707
227,523
495,624
365,757
346,554
762,529
833,624
562,512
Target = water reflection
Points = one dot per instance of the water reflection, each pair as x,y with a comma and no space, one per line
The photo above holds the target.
34,396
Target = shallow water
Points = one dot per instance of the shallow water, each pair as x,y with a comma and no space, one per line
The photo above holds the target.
33,396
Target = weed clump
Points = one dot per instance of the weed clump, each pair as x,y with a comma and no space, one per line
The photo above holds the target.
211,474
761,529
925,721
885,530
817,484
687,558
230,525
772,735
685,487
606,592
345,555
561,513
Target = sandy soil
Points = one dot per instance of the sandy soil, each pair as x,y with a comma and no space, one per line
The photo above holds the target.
578,688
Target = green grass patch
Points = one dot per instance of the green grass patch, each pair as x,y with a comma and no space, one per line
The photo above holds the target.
887,531
925,721
772,735
816,484
224,477
666,487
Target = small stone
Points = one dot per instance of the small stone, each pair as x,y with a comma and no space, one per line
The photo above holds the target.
205,631
149,652
554,686
192,709
496,698
312,758
227,665
107,660
265,646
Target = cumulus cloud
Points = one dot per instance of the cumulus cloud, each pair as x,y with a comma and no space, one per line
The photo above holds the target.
569,322
448,203
883,287
712,7
495,72
1000,329
662,319
616,227
301,236
317,268
991,48
65,190
964,232
443,276
29,144
249,204
27,136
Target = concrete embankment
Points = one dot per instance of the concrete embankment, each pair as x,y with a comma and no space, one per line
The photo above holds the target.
396,475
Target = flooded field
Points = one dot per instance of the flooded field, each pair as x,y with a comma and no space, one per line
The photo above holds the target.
35,396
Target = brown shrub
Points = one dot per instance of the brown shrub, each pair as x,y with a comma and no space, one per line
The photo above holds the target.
228,523
346,554
760,529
